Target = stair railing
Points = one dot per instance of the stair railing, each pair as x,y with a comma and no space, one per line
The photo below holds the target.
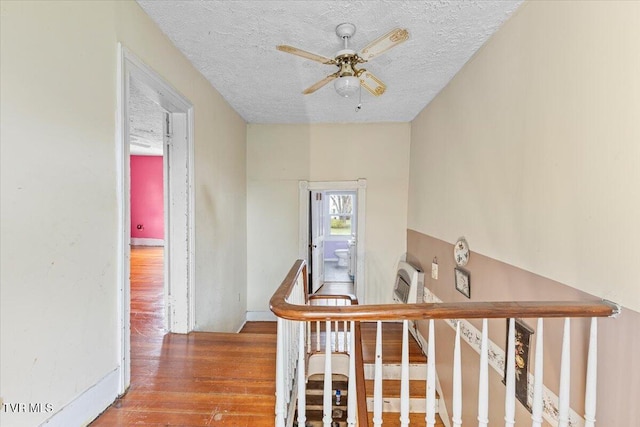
290,303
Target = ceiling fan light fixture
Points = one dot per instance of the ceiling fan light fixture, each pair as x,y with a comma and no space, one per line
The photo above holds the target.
347,86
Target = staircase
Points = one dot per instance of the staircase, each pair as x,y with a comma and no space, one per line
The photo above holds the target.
315,386
391,393
391,374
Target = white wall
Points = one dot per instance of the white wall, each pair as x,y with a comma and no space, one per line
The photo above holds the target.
59,195
533,150
278,156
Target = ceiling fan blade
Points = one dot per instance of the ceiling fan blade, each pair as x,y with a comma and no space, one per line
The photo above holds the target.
384,43
319,84
303,53
372,83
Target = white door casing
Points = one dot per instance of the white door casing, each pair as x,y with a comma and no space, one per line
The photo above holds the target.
360,187
178,170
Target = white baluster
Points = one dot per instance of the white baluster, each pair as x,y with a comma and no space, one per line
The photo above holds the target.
430,415
280,405
344,337
328,379
565,376
510,396
287,359
377,379
335,338
352,401
483,386
537,404
318,336
302,378
308,337
592,367
404,376
457,381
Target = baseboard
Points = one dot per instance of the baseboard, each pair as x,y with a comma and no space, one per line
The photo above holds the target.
88,405
261,316
143,241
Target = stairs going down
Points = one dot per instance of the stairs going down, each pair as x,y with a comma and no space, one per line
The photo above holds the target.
391,375
314,397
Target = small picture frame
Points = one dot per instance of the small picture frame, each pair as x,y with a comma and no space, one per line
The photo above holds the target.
463,281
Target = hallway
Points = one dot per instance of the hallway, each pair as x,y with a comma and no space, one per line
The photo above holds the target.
194,379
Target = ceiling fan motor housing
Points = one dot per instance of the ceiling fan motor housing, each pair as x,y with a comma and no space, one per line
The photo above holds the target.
346,60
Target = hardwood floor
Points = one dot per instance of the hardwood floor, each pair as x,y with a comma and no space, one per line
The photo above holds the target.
191,380
200,379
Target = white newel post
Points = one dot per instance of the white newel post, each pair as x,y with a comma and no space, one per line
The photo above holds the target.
592,371
483,386
565,376
352,401
404,376
302,377
328,379
537,404
377,380
430,413
457,380
510,396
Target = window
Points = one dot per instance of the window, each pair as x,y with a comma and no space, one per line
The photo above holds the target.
341,213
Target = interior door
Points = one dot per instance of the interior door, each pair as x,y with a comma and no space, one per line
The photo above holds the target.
317,240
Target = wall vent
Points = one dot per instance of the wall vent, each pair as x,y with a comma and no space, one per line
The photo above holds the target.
409,285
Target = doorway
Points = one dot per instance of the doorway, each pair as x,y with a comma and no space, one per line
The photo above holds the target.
332,234
338,223
176,145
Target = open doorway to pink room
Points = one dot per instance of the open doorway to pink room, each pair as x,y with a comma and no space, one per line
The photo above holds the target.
156,243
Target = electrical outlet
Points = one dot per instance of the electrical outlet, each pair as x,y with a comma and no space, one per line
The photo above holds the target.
434,270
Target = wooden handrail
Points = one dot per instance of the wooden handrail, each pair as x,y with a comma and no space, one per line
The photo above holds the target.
350,298
466,310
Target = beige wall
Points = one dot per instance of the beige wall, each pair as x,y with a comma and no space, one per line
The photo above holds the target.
278,156
59,195
532,152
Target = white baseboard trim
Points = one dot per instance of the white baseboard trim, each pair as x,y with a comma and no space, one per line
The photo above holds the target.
89,404
143,241
261,316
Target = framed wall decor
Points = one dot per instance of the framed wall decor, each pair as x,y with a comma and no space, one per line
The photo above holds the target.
523,337
463,281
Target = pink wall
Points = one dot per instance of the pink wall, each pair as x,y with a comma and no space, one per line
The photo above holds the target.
147,204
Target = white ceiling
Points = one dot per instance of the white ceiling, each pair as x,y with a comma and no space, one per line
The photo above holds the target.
232,43
145,122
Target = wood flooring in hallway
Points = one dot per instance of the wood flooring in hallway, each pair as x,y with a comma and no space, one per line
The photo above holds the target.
199,379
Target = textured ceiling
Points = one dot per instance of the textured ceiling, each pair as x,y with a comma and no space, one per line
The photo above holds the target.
145,122
232,43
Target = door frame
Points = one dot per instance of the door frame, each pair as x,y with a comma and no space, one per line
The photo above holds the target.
179,271
360,187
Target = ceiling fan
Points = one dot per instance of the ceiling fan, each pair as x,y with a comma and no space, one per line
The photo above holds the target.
349,78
